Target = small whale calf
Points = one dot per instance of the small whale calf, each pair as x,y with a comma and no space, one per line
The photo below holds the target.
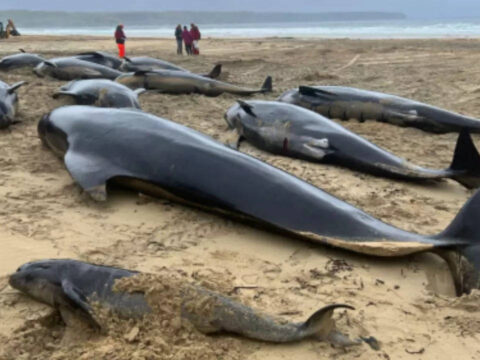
339,102
100,92
290,130
181,82
71,68
73,286
8,103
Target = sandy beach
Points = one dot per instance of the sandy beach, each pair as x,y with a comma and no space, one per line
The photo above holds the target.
408,303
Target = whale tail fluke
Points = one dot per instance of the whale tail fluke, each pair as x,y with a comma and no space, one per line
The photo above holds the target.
464,258
466,161
322,326
267,85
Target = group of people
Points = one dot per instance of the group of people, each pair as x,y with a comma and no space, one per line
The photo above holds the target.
189,37
10,29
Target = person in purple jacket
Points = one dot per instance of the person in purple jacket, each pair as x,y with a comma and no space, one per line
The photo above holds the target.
188,40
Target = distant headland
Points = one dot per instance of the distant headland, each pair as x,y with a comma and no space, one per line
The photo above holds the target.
47,19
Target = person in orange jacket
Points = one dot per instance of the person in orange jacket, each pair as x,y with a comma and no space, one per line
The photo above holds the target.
120,40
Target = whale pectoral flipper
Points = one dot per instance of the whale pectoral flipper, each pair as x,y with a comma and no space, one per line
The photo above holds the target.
91,173
77,301
317,148
75,296
405,116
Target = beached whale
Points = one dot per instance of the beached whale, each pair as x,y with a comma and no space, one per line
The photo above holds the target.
161,158
8,103
339,102
290,130
102,58
146,63
73,286
100,92
181,82
70,68
21,60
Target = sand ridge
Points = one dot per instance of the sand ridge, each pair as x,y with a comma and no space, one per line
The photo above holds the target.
406,303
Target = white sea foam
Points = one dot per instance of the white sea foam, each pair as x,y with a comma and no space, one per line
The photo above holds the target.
354,30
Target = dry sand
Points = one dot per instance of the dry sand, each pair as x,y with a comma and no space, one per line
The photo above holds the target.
407,303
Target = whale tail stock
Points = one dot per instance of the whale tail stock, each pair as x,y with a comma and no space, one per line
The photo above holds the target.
464,258
466,161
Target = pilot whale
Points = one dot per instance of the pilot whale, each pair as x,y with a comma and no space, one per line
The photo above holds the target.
73,286
340,102
158,157
290,130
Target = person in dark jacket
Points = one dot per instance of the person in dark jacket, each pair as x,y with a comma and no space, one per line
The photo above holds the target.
188,40
120,40
178,36
196,36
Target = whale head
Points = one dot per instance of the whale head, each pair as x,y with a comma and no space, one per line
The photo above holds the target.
39,280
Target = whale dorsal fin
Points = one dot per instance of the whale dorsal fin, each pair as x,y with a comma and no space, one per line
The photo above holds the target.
142,72
246,107
313,91
93,53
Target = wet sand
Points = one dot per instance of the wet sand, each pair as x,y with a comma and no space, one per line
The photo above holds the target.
408,304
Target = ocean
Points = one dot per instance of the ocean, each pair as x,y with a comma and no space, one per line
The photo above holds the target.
336,29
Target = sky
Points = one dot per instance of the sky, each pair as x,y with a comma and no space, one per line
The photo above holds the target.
426,9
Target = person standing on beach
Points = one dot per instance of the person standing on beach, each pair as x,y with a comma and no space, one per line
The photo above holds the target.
196,36
188,40
120,40
178,36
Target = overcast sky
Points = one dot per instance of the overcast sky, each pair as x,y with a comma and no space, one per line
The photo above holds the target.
412,8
